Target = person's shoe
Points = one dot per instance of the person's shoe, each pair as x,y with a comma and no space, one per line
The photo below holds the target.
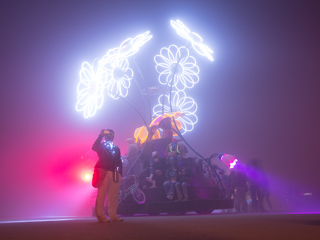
179,200
102,220
117,219
170,197
185,199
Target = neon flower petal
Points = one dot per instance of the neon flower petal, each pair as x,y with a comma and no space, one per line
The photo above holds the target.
194,38
127,48
90,89
177,62
180,103
118,77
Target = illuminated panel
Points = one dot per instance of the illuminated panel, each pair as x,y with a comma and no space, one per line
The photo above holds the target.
180,103
177,61
90,89
194,38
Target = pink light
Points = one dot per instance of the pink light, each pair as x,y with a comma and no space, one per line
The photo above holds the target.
229,160
233,163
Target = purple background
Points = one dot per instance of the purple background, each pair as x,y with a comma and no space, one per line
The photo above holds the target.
258,99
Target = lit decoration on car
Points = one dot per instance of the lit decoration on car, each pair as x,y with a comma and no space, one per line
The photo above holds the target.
180,103
90,89
176,62
118,77
127,48
141,133
193,37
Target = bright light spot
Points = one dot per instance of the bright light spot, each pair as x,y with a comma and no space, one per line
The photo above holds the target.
176,62
194,38
229,160
233,163
86,176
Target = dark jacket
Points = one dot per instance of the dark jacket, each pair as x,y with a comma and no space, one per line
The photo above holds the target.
108,160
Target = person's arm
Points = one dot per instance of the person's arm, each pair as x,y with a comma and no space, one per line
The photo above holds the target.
95,146
120,163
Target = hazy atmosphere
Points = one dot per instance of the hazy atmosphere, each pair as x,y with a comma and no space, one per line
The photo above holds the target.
258,99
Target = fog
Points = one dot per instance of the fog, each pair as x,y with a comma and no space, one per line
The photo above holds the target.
258,99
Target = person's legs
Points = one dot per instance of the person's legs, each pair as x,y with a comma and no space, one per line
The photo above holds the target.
171,189
178,189
166,186
101,196
185,190
113,198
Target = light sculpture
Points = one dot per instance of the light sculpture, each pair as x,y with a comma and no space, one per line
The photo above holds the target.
176,63
90,89
118,77
180,103
194,38
111,72
127,48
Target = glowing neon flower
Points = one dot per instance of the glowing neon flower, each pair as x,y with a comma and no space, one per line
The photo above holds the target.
127,48
180,103
177,62
131,45
90,89
118,77
194,38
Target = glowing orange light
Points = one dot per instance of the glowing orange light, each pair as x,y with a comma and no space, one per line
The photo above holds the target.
141,133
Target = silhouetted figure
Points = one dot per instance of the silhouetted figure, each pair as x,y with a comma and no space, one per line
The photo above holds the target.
238,183
265,192
175,152
131,157
171,179
184,180
158,169
109,171
255,174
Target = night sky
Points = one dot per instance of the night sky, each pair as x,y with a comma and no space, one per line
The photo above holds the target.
257,100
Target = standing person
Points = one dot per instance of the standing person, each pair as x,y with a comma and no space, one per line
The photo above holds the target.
109,170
